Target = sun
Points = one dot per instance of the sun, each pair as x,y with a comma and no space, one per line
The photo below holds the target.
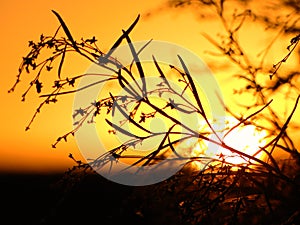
245,138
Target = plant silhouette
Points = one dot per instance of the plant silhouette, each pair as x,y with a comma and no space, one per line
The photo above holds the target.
221,192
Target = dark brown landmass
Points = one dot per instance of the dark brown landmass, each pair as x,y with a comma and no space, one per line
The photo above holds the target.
33,199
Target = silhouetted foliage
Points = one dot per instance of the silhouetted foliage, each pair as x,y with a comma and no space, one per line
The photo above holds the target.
255,192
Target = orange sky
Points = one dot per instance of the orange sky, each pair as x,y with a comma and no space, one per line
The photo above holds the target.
22,21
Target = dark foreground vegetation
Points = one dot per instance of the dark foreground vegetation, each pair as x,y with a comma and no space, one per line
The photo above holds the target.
91,199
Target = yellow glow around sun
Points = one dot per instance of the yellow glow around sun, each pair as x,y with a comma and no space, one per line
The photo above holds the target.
245,138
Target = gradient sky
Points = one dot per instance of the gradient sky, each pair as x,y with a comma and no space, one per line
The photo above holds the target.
22,21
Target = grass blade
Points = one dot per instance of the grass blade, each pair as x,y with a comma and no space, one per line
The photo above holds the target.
161,73
119,41
127,116
161,146
138,63
61,61
131,91
118,128
67,31
192,85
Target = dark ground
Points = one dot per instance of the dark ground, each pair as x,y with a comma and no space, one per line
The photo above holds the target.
42,199
50,200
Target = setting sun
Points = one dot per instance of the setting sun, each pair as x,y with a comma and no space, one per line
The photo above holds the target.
244,138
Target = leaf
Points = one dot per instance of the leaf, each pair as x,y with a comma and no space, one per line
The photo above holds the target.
192,85
119,41
38,86
152,155
160,147
128,117
116,127
137,62
161,72
139,51
173,149
61,61
67,31
130,91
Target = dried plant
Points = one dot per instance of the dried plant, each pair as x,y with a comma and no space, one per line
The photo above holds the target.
221,192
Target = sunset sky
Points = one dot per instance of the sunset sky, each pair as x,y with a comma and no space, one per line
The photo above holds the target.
22,21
